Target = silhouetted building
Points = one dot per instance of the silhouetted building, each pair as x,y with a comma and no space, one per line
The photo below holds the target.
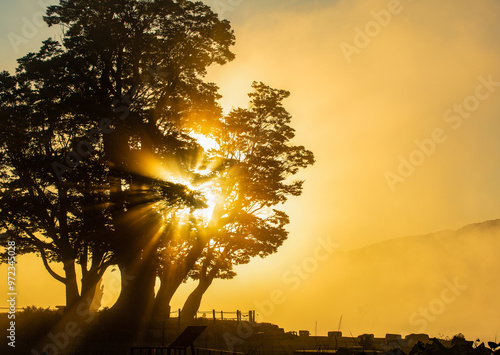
390,338
366,341
303,333
335,335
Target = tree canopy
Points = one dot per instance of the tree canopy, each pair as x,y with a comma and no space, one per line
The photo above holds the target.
103,159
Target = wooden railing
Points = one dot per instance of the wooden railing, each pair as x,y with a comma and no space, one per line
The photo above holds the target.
161,350
220,315
203,351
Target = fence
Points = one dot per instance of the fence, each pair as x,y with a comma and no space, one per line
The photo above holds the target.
202,351
156,351
220,315
168,351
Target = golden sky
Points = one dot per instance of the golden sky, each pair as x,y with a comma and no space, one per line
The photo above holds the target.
400,103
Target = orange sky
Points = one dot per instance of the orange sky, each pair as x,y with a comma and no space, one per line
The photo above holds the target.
363,103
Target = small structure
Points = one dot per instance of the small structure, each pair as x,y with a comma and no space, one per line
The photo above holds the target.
366,341
303,333
335,335
393,338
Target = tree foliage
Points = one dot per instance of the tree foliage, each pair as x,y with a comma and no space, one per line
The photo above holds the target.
102,162
257,160
82,116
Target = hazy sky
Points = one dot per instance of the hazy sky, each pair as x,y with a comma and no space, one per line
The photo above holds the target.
399,101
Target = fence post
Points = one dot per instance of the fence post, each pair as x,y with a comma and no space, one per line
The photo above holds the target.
213,314
179,322
221,315
163,334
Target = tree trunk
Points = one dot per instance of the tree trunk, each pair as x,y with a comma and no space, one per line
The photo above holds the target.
91,282
137,291
72,293
169,285
172,278
96,297
135,252
162,301
193,302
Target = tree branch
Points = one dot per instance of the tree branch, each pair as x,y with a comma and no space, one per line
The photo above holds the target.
49,269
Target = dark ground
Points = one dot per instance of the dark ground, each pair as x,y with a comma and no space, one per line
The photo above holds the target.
33,327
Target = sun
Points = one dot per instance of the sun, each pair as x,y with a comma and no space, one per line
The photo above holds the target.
207,189
211,197
206,142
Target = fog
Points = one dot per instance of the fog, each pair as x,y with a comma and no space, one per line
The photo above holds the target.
405,131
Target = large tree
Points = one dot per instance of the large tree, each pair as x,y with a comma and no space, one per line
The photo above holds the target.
66,220
102,161
109,107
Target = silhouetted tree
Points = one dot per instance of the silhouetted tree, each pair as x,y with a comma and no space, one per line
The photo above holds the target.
100,158
258,158
66,221
42,214
132,73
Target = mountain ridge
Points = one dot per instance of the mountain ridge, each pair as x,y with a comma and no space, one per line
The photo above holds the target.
444,282
493,223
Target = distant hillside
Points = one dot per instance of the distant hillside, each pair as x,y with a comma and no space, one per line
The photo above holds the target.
440,283
482,229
